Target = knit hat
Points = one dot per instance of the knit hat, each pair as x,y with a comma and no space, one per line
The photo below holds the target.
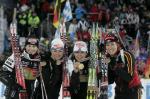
80,46
57,43
111,38
32,41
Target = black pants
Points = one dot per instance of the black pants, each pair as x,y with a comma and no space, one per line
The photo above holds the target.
82,93
30,87
52,92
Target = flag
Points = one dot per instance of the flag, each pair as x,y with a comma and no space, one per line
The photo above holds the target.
61,31
57,13
57,34
62,28
137,44
67,12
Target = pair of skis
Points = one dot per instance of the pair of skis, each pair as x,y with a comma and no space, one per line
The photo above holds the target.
92,84
103,82
92,91
103,67
17,58
66,76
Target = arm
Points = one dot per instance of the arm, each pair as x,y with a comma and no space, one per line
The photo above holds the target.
74,82
111,73
126,70
111,76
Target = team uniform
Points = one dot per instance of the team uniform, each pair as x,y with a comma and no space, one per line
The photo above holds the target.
31,71
122,70
50,84
30,60
79,74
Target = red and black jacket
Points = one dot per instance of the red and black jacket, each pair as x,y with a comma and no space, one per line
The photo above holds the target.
124,74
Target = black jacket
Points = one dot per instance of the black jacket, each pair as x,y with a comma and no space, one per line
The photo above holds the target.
52,77
123,72
79,81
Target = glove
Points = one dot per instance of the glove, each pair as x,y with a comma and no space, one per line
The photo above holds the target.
17,87
112,63
7,78
12,91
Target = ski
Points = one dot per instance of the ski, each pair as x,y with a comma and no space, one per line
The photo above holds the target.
66,76
92,90
103,82
103,68
17,58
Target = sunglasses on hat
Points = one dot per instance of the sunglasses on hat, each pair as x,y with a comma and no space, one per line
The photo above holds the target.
57,49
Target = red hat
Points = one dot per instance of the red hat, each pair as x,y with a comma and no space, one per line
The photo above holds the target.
111,38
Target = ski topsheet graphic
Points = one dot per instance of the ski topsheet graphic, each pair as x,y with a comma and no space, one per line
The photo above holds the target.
92,92
17,58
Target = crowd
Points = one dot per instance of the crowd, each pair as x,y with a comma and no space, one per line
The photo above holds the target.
129,18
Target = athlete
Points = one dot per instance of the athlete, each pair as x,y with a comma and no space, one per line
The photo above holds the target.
122,70
79,75
50,80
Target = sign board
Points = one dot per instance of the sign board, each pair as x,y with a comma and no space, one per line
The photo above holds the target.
145,90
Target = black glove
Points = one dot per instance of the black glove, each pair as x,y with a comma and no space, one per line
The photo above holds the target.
12,91
17,87
112,63
7,78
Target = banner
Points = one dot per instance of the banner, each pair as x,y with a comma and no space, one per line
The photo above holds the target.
2,90
145,90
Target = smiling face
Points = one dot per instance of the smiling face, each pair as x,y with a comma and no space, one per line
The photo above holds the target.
57,54
80,55
31,49
112,48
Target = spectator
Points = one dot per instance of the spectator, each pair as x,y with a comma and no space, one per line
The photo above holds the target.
94,12
72,30
80,11
34,23
23,24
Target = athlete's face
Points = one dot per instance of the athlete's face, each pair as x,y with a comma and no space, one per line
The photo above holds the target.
57,54
80,55
31,49
111,48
